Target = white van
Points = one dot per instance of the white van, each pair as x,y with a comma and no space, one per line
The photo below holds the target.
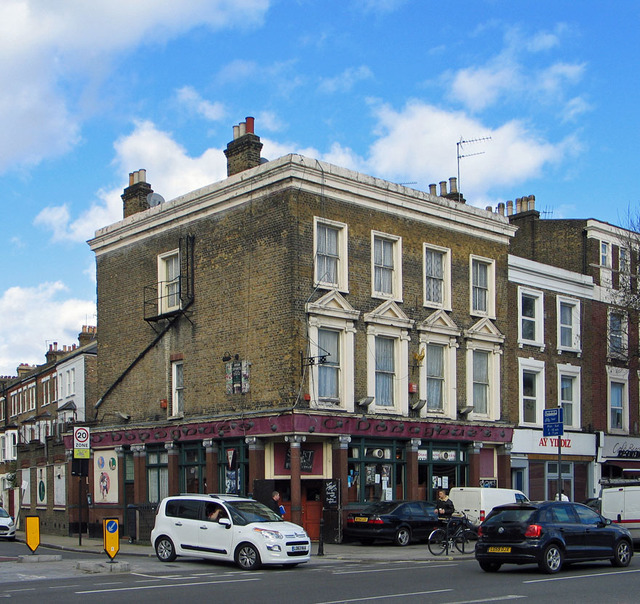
622,505
477,502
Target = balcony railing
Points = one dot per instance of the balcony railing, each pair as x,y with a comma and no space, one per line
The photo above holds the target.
166,298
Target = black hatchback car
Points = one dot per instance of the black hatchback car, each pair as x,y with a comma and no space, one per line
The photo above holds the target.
397,521
549,534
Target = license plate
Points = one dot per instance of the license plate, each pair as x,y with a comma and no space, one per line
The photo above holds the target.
499,550
361,519
299,548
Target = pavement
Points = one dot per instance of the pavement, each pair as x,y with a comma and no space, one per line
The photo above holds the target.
327,552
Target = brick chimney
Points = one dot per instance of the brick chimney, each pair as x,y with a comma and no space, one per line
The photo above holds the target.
243,152
88,334
136,196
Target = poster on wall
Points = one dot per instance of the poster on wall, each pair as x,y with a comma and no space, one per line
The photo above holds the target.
59,484
41,486
25,487
105,476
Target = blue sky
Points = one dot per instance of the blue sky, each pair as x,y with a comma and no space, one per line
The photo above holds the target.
90,91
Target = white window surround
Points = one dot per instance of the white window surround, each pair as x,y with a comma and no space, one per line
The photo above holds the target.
574,327
531,314
490,263
485,337
168,281
535,367
575,373
618,375
621,349
342,269
441,330
388,320
445,304
604,258
177,389
396,276
332,311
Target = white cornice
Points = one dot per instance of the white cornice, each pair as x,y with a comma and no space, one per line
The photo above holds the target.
314,177
551,278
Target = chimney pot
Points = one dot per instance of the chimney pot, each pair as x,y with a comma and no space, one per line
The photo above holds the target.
453,185
443,188
433,189
250,124
509,207
532,202
501,208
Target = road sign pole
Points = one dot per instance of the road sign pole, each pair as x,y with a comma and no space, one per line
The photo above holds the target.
560,466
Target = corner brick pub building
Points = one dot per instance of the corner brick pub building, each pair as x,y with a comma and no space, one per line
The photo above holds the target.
302,327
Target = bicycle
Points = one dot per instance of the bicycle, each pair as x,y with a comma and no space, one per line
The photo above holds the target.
458,533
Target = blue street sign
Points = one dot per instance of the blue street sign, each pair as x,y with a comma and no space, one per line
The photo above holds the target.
553,422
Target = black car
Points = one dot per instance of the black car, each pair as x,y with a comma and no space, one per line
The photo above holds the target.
397,521
549,534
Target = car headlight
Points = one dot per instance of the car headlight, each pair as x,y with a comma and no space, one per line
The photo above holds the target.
267,534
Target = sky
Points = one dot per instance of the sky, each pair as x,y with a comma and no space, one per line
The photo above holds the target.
91,91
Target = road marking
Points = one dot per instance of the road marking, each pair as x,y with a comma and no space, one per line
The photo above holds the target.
377,570
170,586
602,574
374,598
497,599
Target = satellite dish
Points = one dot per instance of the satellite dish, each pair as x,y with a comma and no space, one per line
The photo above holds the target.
154,199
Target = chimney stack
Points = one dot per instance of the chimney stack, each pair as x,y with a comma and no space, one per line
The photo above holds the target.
135,197
243,152
87,335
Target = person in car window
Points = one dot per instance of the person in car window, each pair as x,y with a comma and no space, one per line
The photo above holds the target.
215,512
445,505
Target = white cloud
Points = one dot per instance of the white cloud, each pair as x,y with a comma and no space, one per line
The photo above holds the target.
191,99
418,143
480,87
47,44
510,77
33,316
345,81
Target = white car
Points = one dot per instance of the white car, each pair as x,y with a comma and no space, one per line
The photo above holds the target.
227,527
7,525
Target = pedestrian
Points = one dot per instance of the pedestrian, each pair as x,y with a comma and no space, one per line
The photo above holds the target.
445,505
563,497
275,505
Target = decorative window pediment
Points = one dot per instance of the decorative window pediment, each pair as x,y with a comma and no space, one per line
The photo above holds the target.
333,304
389,313
441,323
485,331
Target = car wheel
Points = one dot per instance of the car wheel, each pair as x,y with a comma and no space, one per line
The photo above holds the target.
247,557
437,542
621,554
551,561
490,567
403,536
165,550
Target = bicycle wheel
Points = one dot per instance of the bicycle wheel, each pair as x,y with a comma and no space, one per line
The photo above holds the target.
437,542
462,543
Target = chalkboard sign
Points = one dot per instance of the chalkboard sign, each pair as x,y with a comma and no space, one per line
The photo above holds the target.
331,493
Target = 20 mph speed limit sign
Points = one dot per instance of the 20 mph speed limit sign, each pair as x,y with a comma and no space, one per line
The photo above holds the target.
81,443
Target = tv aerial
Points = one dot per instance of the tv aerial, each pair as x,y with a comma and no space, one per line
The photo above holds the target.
460,147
